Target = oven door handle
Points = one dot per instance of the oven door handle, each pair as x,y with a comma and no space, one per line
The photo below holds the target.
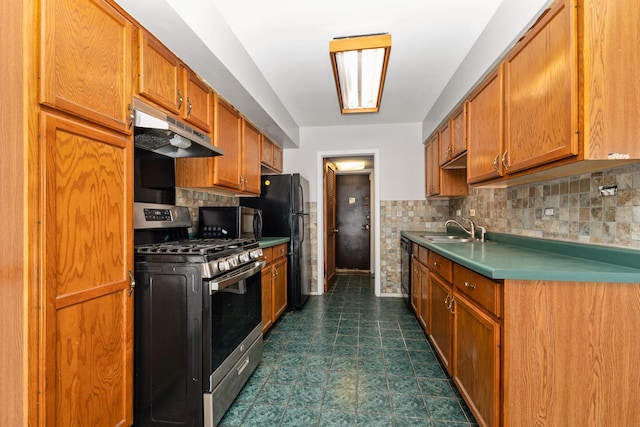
225,281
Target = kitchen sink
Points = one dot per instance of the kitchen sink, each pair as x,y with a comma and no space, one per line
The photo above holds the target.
443,238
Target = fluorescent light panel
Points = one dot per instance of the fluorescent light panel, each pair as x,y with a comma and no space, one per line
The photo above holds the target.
359,67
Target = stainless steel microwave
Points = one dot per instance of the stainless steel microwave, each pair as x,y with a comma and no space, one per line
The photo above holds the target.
229,222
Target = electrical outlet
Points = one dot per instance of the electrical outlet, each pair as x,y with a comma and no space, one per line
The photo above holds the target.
458,212
472,212
549,212
609,190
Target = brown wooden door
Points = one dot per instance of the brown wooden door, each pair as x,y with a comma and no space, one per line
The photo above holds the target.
87,53
458,133
424,296
278,160
444,151
416,288
541,93
329,224
87,319
267,297
228,137
251,142
159,77
441,321
197,102
279,287
477,360
485,133
353,220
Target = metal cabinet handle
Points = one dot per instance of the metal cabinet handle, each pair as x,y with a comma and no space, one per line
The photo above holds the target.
451,306
132,282
180,99
436,264
132,116
446,300
495,163
189,106
469,285
504,160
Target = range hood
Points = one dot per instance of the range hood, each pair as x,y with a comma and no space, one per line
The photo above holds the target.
161,133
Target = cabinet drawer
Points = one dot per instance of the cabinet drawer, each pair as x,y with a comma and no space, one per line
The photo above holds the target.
479,288
280,251
420,253
268,255
440,265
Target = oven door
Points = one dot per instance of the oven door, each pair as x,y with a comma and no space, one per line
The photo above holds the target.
232,312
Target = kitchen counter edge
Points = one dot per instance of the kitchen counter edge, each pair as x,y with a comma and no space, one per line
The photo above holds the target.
267,242
506,256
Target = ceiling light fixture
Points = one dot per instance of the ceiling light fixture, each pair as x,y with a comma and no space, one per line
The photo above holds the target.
353,165
359,68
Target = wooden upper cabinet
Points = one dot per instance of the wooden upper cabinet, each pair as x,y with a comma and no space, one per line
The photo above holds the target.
228,137
541,92
197,102
86,53
251,147
271,155
611,64
432,166
485,133
444,152
160,74
453,141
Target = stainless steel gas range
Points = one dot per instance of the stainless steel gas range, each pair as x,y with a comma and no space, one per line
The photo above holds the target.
198,319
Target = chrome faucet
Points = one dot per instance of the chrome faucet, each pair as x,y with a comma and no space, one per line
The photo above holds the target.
472,227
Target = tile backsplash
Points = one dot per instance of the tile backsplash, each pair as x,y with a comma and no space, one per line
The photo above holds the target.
193,199
570,208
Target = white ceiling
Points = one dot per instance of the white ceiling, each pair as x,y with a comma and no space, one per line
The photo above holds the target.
271,60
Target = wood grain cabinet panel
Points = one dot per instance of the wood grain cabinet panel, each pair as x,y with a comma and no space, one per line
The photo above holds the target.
441,322
541,93
197,103
271,155
476,360
228,137
274,285
86,62
160,77
485,133
86,352
279,287
251,146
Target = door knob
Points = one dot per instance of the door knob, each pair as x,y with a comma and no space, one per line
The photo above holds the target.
336,230
365,227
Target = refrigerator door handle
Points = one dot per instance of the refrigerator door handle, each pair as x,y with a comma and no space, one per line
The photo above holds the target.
301,199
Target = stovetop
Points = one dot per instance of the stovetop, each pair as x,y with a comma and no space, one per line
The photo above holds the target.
196,246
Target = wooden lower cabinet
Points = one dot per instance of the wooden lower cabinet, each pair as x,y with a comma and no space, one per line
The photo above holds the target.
274,285
419,291
441,322
476,360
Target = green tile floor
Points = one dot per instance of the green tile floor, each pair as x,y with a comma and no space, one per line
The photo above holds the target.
346,359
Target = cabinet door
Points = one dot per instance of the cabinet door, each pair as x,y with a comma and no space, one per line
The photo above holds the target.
267,298
458,133
415,289
432,166
251,142
86,53
541,93
197,102
228,136
278,160
441,323
279,287
444,151
485,133
87,318
477,360
424,296
266,152
159,75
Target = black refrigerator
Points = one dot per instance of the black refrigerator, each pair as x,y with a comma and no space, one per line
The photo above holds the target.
285,213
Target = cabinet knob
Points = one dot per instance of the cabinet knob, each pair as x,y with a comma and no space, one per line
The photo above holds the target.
189,106
132,282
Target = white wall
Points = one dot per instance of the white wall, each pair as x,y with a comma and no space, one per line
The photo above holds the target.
401,155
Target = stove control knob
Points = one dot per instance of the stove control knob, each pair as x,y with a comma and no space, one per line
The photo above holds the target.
233,261
255,254
223,265
243,257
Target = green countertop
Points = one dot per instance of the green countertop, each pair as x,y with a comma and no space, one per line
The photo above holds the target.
267,242
506,256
